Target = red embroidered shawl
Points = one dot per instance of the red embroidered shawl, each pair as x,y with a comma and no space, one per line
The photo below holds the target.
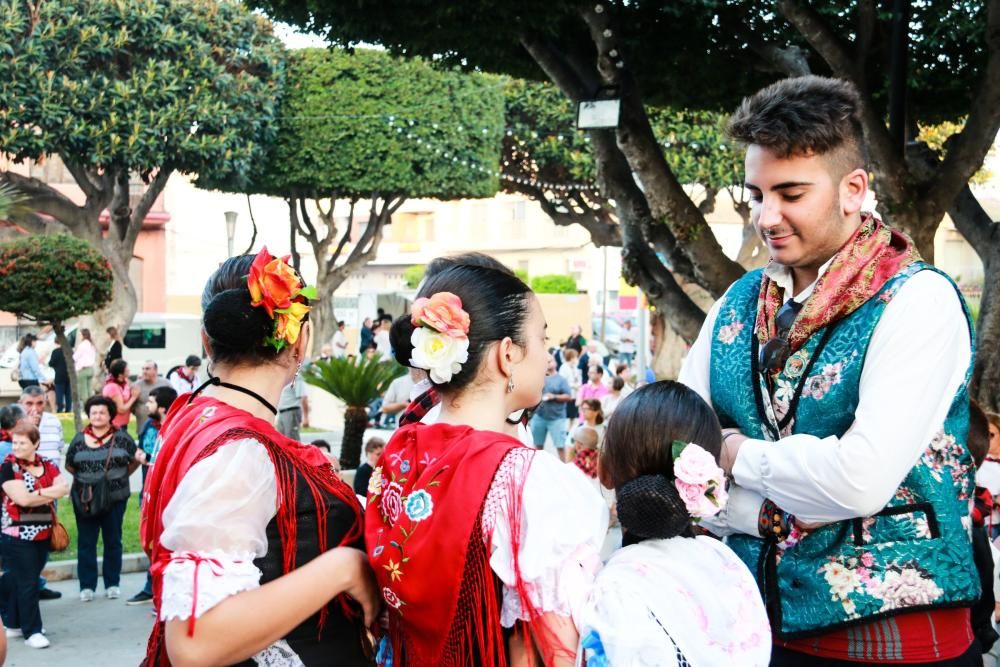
423,532
193,431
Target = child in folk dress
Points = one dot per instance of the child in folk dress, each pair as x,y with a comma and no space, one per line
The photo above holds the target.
660,455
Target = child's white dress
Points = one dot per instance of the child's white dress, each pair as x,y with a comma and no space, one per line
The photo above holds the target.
676,602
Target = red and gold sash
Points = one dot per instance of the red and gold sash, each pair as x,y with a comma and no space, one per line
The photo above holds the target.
873,255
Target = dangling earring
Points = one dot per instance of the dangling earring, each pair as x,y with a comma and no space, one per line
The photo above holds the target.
510,385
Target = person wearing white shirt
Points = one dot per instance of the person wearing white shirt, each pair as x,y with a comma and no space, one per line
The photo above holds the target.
839,375
382,346
340,341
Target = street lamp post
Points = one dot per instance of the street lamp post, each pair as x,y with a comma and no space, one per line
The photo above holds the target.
230,229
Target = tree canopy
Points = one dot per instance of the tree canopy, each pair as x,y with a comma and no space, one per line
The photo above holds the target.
138,84
365,126
53,278
125,93
355,123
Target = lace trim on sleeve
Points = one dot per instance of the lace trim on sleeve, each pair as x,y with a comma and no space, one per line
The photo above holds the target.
196,582
563,524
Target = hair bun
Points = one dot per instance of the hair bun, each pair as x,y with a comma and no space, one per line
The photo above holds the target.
649,507
230,320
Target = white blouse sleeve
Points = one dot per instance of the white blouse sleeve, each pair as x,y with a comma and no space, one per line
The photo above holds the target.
216,525
563,524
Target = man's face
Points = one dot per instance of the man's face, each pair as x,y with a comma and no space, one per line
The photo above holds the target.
552,365
152,406
327,351
795,207
34,406
368,322
149,373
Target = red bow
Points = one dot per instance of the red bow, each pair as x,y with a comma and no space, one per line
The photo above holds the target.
184,556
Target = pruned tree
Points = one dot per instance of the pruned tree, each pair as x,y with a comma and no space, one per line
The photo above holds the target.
374,130
50,280
125,93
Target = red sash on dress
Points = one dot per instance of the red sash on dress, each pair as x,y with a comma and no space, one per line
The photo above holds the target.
193,431
423,532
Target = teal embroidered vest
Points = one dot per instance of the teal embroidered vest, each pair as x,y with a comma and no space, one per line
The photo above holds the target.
914,554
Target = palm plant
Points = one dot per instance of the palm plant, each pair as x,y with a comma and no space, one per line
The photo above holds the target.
356,384
12,202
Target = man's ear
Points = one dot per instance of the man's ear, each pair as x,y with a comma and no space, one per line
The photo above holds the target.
853,191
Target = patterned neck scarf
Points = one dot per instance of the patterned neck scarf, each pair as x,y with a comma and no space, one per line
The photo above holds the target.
586,460
859,270
99,439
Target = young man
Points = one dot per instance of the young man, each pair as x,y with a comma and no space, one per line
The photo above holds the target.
373,450
340,341
184,379
550,416
839,374
159,402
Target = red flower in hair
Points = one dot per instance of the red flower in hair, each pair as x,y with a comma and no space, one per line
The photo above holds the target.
272,282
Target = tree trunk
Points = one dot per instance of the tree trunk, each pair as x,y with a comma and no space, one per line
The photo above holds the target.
355,423
984,235
322,316
985,386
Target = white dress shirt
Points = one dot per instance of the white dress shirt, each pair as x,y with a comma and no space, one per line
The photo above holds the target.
917,359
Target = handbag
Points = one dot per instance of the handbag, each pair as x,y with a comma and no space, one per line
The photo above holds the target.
59,537
94,500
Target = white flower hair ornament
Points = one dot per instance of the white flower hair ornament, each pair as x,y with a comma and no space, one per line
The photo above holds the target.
440,338
698,479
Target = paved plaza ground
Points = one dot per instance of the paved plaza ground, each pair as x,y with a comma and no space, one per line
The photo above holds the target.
102,633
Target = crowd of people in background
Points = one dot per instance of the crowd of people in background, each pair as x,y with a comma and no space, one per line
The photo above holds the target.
39,466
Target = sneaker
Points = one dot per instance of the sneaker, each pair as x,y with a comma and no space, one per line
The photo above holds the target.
14,632
142,597
86,595
37,640
49,594
114,593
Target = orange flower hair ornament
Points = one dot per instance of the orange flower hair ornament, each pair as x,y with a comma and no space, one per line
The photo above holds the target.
441,338
276,286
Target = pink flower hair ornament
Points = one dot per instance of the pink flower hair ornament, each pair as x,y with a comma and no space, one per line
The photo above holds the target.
698,479
440,338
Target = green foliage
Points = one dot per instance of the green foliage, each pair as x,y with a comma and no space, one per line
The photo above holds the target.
553,284
522,274
412,275
10,201
355,383
139,84
53,278
351,124
700,54
667,41
541,140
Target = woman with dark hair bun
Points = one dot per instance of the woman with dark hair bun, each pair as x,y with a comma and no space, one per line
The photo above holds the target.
471,533
251,533
660,455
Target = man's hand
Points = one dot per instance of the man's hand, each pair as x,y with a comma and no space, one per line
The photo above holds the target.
732,438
